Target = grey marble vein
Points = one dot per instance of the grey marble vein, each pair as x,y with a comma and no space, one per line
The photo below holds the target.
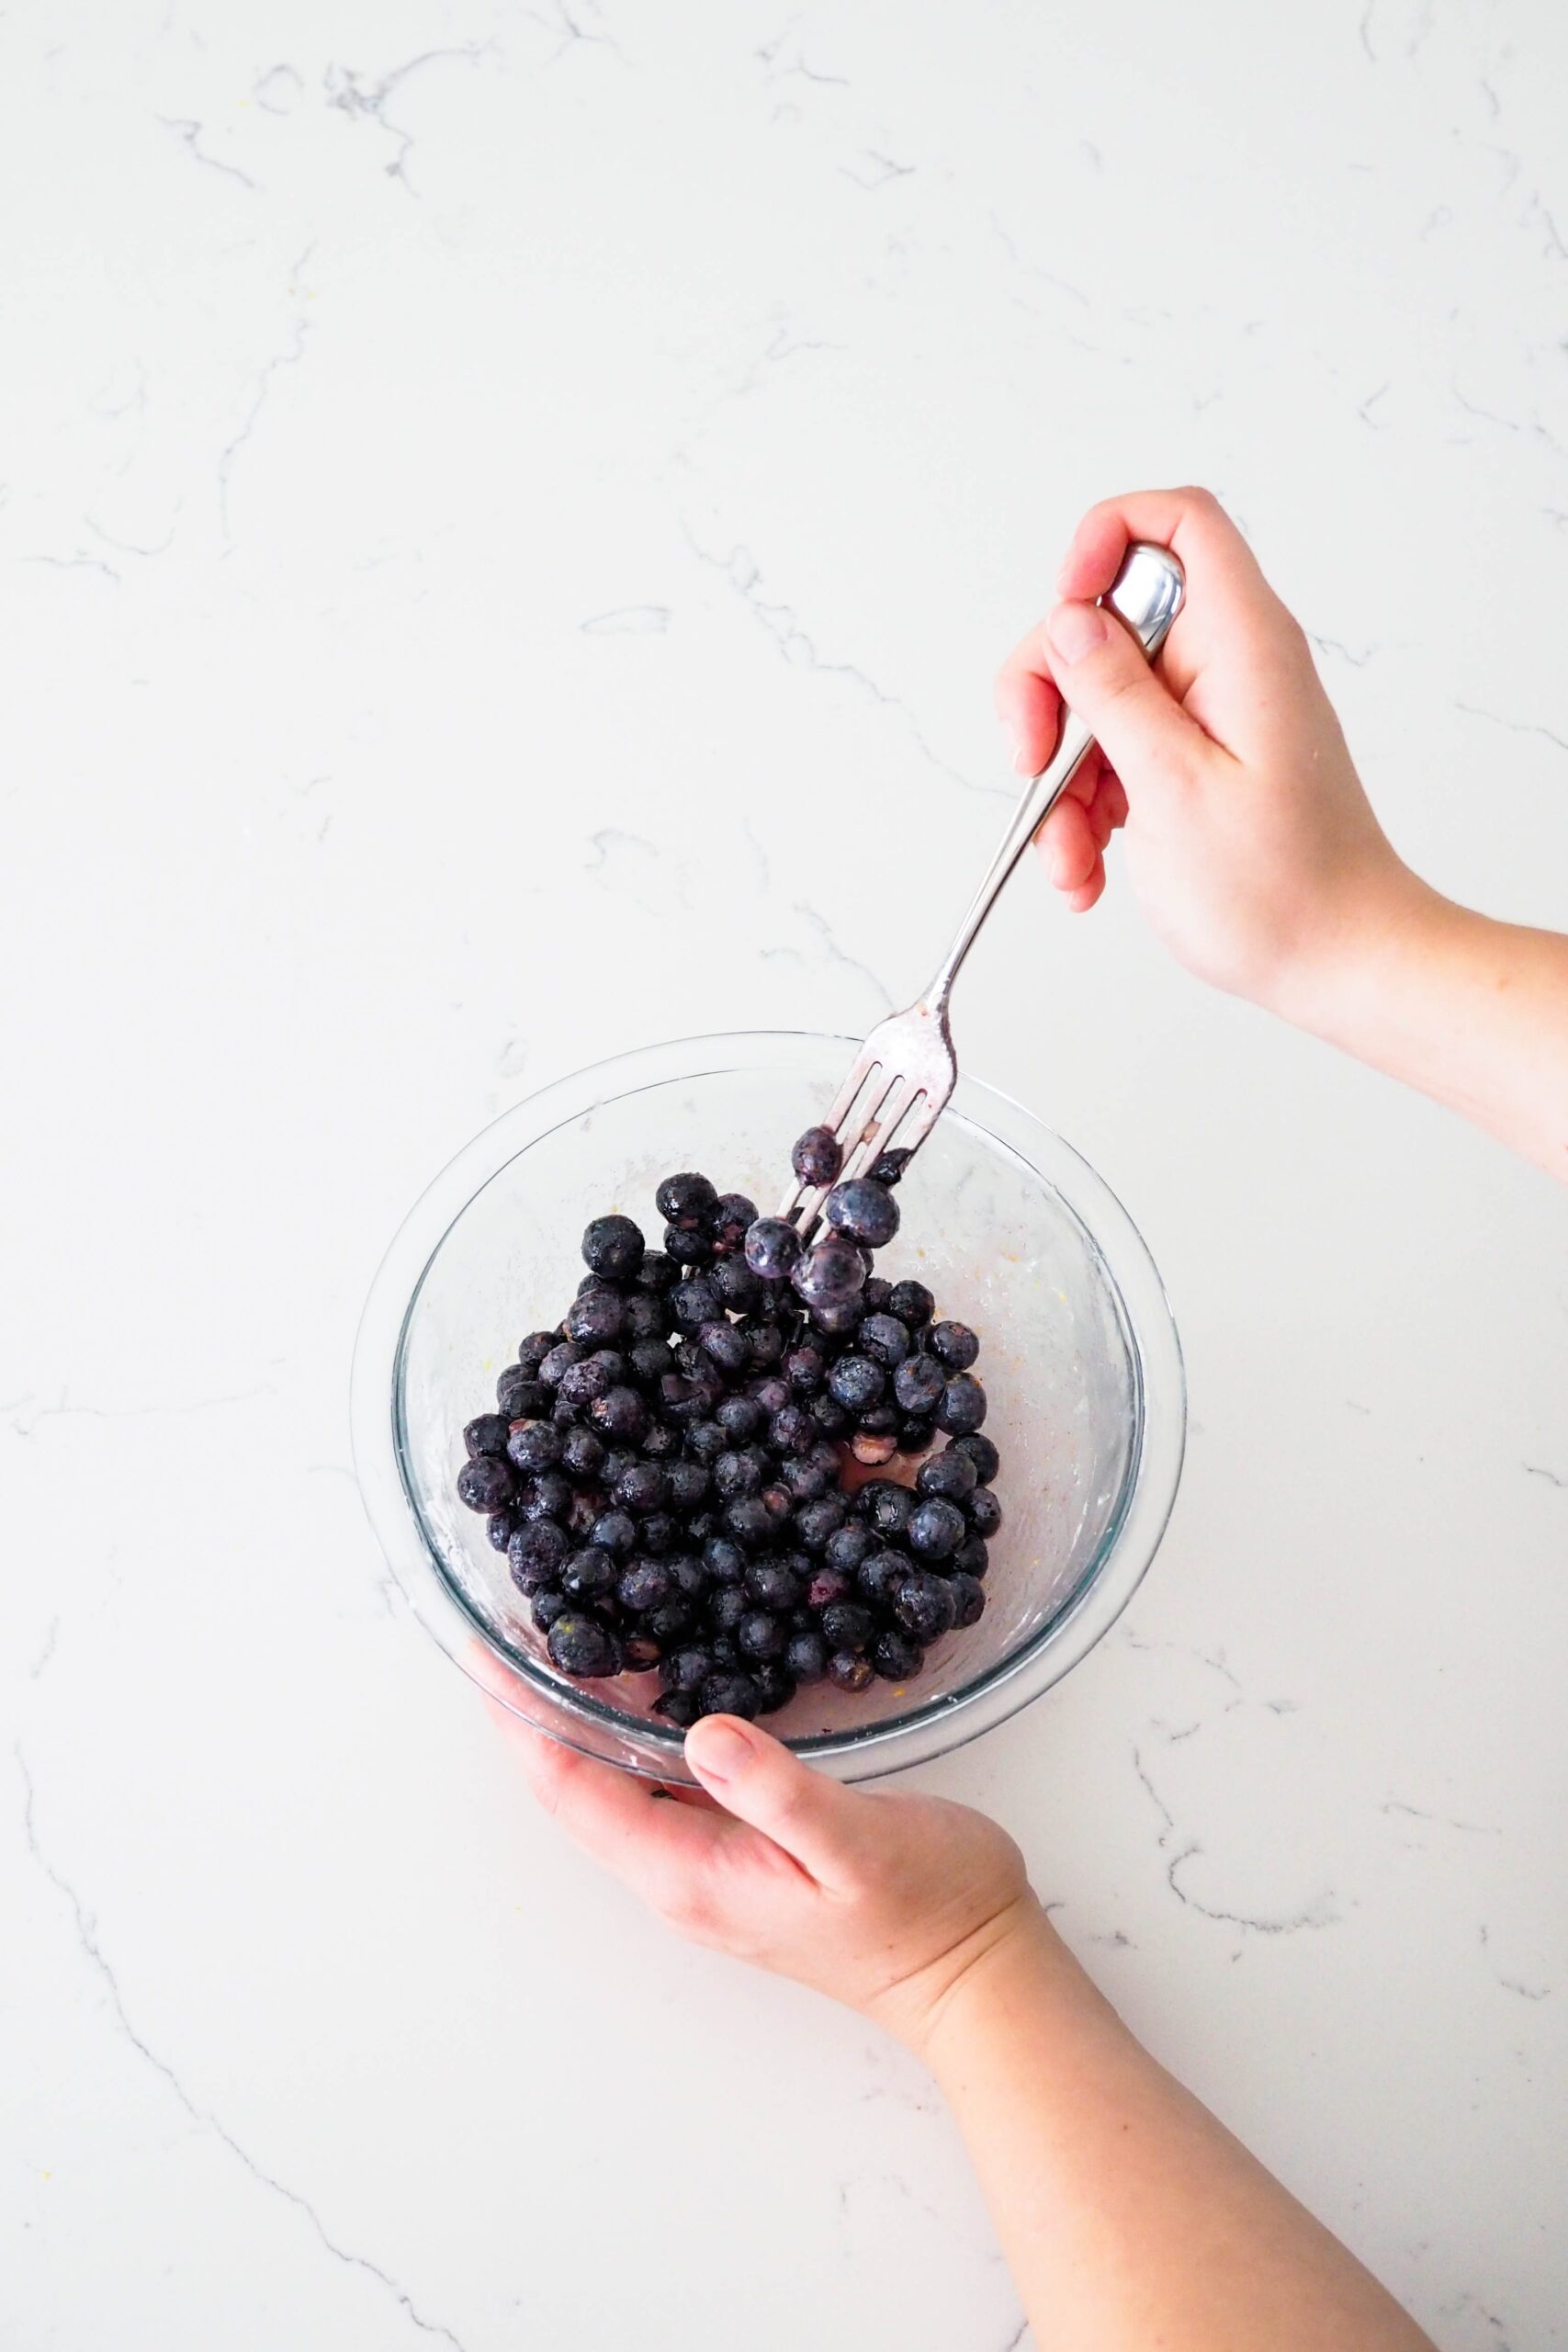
366,100
628,620
261,391
189,136
741,569
834,952
1514,726
89,1941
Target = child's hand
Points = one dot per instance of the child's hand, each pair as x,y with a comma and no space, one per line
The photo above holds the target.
885,1903
1249,840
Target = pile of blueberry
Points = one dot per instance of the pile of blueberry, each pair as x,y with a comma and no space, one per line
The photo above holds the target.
667,1470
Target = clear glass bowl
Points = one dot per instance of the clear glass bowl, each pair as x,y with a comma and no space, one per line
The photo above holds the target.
1012,1231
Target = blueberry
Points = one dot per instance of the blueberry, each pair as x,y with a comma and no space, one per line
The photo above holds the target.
487,1434
486,1483
727,1606
620,1413
924,1605
650,1361
520,1398
761,1634
880,1573
645,1315
705,1440
777,1501
773,1249
772,1393
772,1584
687,1249
671,1621
587,1574
640,1652
885,1507
685,1484
740,1418
968,1598
725,1344
815,1522
817,1156
581,1645
732,1692
685,1668
613,1246
856,1383
805,1367
581,1512
701,1524
877,1293
684,1199
890,1167
657,1272
953,1344
973,1558
915,1433
848,1625
950,1474
864,1209
918,1384
550,1495
791,1430
828,1415
805,1658
564,1354
847,1670
547,1607
581,1453
532,1352
936,1529
533,1445
885,1338
677,1707
613,1532
695,1302
724,1560
580,1383
536,1554
806,1482
661,1528
644,1586
829,1274
962,1404
985,1512
775,1685
826,1585
846,1549
873,1449
749,1521
911,1303
767,1344
499,1527
729,1220
895,1656
840,1320
735,1282
735,1475
690,1578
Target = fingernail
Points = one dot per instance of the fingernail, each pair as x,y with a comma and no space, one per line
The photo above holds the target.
723,1750
1076,631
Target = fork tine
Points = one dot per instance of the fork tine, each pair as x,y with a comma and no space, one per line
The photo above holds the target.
879,1130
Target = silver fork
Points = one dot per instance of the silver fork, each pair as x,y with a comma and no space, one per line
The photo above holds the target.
901,1079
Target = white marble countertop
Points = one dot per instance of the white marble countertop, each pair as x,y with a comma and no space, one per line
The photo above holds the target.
510,517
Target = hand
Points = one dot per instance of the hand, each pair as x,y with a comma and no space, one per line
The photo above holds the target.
1250,843
885,1903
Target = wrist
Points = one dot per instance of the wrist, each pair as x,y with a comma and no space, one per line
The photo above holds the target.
1014,1957
1338,988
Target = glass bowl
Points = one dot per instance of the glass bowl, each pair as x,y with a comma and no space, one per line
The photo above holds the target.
1002,1220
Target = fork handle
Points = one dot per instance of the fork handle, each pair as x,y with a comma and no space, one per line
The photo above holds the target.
1147,594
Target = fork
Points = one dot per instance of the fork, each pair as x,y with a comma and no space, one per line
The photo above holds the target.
903,1077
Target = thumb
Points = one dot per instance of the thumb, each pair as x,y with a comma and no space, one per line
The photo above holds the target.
1106,681
761,1782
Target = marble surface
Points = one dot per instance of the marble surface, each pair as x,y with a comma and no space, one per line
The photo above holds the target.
510,515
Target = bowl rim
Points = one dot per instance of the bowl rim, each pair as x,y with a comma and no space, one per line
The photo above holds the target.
933,1727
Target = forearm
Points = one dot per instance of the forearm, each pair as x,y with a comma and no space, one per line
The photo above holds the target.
1471,1012
1129,2216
